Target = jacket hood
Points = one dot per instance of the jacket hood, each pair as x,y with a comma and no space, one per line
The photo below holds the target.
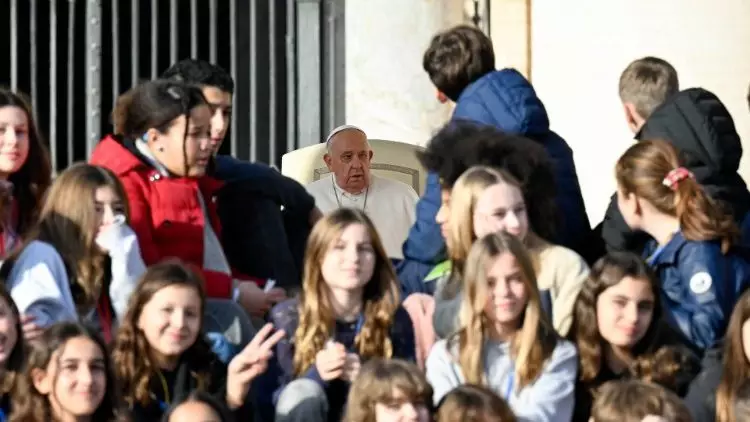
698,124
117,154
121,155
506,100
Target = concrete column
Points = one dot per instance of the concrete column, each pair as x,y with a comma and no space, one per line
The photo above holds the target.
387,92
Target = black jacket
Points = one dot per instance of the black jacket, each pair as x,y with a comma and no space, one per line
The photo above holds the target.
259,238
701,397
696,122
180,383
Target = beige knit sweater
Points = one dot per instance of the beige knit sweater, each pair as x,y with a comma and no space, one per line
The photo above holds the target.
562,272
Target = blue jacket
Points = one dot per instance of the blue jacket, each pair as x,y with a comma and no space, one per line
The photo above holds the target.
506,100
699,286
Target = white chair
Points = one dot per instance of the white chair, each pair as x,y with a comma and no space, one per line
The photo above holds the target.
393,160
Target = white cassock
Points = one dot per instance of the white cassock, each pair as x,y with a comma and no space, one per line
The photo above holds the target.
390,204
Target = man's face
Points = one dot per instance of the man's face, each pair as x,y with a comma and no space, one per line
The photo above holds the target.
349,160
221,114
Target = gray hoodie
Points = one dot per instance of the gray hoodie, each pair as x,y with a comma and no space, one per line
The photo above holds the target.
39,283
550,398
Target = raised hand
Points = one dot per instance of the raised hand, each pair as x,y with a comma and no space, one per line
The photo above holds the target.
249,363
31,330
253,299
275,295
330,361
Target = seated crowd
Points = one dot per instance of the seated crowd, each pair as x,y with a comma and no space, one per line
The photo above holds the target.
163,281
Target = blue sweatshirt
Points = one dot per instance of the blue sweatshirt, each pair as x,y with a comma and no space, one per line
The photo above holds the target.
550,398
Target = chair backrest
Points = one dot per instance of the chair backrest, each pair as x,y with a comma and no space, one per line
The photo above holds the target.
394,160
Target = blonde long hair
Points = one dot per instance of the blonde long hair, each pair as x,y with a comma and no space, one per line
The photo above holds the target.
68,221
316,317
535,339
464,196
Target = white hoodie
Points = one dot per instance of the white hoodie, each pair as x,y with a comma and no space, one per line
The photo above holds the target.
39,283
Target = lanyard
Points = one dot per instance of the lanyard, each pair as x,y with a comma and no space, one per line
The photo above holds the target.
163,404
105,318
509,388
357,329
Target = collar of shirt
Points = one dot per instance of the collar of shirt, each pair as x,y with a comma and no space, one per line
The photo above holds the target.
355,197
666,254
142,147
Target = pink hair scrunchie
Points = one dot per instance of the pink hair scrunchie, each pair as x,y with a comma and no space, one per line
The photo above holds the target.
675,176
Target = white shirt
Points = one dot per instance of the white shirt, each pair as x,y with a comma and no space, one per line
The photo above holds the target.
391,205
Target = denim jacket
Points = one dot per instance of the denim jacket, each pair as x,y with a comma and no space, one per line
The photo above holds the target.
699,286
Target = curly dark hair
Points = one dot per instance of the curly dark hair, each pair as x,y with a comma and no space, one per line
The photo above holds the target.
461,144
200,72
131,353
672,367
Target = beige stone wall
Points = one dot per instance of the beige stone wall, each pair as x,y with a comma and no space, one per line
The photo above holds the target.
508,30
387,92
579,48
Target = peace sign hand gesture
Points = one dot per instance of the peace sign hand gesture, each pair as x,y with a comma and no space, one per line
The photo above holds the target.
249,363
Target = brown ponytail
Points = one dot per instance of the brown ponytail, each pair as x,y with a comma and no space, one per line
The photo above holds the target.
642,171
121,113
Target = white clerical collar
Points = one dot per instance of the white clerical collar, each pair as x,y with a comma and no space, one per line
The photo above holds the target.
348,195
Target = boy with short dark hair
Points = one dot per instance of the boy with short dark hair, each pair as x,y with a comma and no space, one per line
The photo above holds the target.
201,72
461,64
456,58
693,120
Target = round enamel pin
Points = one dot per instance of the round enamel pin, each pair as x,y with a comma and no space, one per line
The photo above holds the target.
700,283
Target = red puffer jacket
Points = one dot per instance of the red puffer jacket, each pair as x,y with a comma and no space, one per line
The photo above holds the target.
165,212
